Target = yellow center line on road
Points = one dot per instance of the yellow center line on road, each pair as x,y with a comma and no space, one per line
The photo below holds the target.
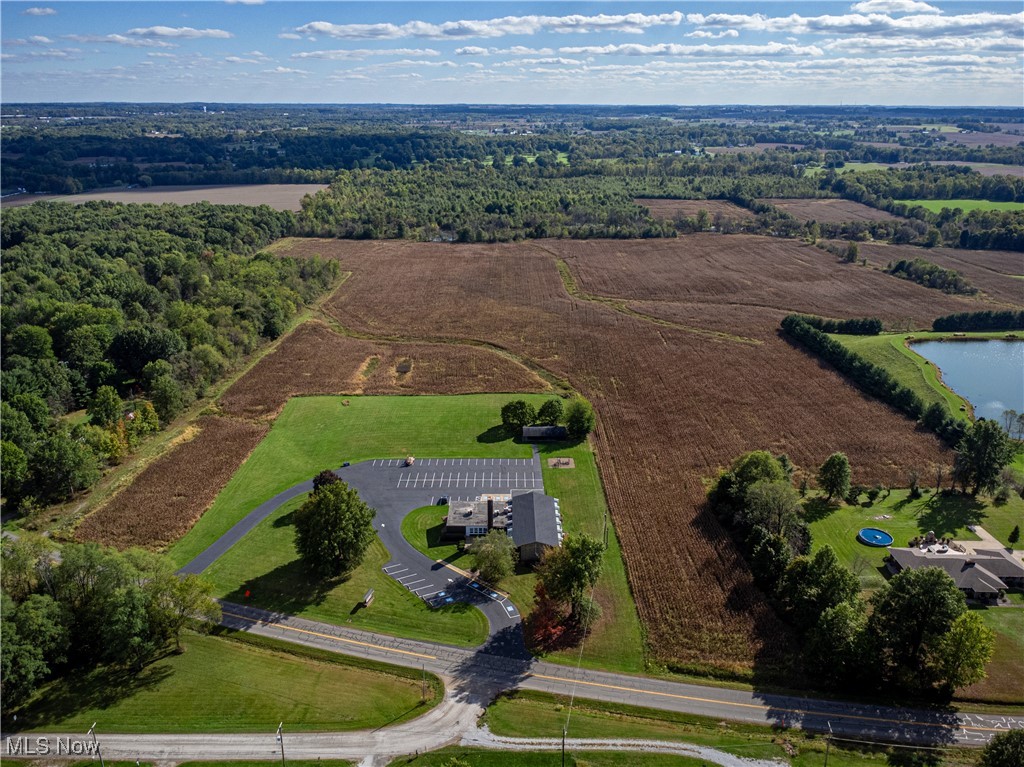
804,712
335,638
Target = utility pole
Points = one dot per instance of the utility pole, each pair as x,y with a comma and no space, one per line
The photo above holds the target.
563,747
92,731
280,739
423,684
828,743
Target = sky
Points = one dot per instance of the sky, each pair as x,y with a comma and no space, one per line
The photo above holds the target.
627,52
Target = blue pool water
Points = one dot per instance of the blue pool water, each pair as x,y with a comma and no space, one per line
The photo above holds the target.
872,536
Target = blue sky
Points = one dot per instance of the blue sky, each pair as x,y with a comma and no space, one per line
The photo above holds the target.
862,52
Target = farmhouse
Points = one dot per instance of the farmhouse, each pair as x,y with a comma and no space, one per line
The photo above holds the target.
536,524
543,433
981,575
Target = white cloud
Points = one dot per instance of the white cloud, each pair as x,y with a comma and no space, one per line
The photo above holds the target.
356,54
865,44
919,26
155,55
240,60
507,25
39,12
187,33
131,42
675,49
285,71
245,2
515,50
713,35
289,36
893,6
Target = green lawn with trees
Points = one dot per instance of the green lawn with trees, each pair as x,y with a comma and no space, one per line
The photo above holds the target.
936,206
317,433
266,565
233,683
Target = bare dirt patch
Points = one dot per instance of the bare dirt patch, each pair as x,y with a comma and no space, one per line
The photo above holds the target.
673,406
561,463
170,494
316,360
673,209
277,196
830,211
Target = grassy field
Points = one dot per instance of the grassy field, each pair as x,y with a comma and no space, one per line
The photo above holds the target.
935,206
890,351
475,757
232,683
316,433
265,564
947,515
1005,681
534,714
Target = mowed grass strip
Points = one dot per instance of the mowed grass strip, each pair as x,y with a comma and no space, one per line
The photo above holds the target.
316,433
535,714
476,757
265,564
891,351
936,206
232,683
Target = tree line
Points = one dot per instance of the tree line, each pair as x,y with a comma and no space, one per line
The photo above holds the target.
931,276
129,312
980,321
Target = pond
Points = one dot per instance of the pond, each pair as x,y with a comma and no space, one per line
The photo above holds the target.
989,374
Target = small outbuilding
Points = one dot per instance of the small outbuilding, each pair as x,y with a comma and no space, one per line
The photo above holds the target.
544,433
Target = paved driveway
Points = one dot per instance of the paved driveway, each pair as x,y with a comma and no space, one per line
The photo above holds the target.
394,489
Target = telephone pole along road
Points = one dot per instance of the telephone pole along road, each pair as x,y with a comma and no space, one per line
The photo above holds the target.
485,672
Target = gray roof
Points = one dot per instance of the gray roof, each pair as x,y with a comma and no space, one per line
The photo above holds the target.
544,432
968,571
534,519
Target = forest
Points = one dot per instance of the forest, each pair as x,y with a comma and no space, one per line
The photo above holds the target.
129,312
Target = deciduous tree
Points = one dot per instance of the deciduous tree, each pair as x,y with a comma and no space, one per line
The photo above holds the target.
495,555
517,414
982,453
579,418
333,529
834,476
961,654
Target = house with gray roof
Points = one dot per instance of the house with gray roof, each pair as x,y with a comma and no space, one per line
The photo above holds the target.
983,574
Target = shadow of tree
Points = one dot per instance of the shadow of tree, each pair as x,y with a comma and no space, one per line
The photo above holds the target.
493,435
97,689
287,588
947,513
817,508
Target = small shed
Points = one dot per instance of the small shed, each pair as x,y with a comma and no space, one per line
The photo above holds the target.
544,433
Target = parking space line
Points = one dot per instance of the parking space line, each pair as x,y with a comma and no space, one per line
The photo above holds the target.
410,584
397,564
410,575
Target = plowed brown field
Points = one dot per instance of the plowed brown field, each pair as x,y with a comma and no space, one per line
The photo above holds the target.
673,405
996,272
670,209
828,210
170,494
316,360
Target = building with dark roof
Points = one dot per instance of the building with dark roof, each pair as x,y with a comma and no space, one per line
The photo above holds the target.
544,433
535,524
980,575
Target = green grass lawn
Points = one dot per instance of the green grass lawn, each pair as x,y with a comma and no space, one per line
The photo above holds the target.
423,527
232,683
947,515
1005,681
477,757
316,433
535,714
936,206
265,564
890,351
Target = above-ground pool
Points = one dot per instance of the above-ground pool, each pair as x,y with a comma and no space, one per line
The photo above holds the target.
872,536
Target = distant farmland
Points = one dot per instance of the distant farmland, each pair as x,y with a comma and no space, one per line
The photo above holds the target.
831,211
277,196
936,206
670,209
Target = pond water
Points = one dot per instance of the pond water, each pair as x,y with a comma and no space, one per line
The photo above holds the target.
989,374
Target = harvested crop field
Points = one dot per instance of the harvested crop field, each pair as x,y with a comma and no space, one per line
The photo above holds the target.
828,211
984,139
686,370
316,360
672,209
996,272
277,196
170,494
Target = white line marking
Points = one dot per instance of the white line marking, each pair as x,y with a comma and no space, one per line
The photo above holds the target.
410,583
413,575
